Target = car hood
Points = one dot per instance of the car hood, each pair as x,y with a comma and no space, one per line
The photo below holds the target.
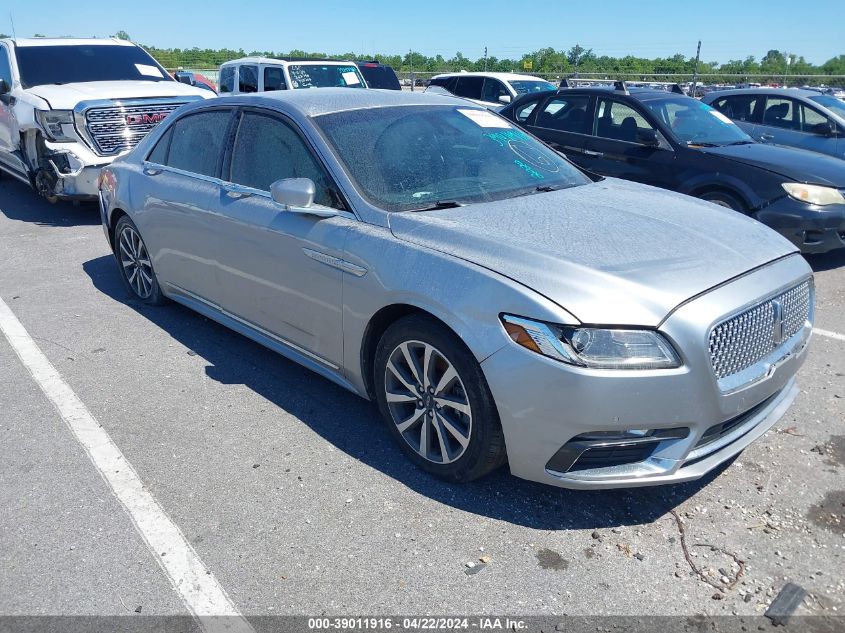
66,96
797,165
613,252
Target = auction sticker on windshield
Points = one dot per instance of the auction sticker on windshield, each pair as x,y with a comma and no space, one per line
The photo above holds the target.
351,78
147,70
484,118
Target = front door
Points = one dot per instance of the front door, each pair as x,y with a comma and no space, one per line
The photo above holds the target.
277,268
564,122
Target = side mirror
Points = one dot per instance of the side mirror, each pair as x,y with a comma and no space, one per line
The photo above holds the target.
648,137
505,99
822,129
5,92
297,196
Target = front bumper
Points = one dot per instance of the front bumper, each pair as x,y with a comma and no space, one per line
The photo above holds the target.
76,168
543,404
811,228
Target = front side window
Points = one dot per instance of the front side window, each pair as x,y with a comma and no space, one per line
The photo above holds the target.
694,123
325,76
227,79
493,89
268,149
523,112
618,121
423,155
67,64
811,120
5,68
566,113
781,113
197,142
248,79
274,78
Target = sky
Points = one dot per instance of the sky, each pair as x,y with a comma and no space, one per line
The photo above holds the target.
508,28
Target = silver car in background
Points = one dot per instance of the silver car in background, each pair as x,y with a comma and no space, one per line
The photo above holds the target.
498,304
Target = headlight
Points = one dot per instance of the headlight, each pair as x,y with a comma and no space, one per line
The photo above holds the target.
814,194
596,348
54,122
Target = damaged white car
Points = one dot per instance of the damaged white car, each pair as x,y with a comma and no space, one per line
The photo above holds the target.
70,106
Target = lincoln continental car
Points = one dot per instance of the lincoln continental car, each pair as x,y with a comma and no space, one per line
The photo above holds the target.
498,304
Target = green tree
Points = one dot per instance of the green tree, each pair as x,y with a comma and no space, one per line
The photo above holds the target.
122,35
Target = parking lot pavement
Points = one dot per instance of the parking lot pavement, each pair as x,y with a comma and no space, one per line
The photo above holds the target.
293,496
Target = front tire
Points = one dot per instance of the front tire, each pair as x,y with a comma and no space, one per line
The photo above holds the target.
135,264
723,199
435,400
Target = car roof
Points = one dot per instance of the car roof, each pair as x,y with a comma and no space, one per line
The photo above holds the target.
503,76
789,92
318,101
638,93
281,62
68,41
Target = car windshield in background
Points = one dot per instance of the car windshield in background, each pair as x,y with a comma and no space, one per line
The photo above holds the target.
325,76
523,87
833,104
41,65
696,123
422,157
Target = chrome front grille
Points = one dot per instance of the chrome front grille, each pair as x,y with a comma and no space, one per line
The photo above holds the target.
744,340
117,128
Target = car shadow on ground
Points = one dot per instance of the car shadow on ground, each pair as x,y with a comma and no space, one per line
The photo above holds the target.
19,202
353,426
827,261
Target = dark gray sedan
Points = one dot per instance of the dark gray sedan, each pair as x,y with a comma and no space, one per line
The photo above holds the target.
497,303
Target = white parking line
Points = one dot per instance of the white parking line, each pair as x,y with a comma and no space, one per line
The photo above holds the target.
829,334
198,588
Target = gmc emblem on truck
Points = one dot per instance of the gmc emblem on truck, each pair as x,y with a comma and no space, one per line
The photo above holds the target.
135,119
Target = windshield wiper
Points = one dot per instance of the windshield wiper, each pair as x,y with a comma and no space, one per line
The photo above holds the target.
702,144
742,143
441,204
547,188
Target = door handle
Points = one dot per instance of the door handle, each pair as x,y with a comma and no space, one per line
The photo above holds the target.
237,192
767,137
152,171
593,154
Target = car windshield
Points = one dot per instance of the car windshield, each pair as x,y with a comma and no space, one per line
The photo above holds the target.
424,157
325,76
696,123
837,106
70,63
524,86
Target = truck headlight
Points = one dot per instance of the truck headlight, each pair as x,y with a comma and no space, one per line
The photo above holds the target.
54,123
814,194
593,347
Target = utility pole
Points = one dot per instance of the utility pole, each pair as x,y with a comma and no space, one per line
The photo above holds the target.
485,59
577,57
411,68
786,67
695,70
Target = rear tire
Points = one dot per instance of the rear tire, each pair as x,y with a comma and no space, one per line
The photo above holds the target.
723,199
435,400
135,264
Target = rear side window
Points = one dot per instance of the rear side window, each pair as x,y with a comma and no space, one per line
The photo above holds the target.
781,113
197,142
159,153
470,87
248,79
227,79
274,78
566,113
268,149
739,107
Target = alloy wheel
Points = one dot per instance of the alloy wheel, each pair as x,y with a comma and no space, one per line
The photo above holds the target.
427,402
136,262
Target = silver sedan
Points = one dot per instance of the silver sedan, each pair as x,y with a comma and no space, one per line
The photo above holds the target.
497,303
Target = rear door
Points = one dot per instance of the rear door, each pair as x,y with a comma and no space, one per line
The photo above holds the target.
564,121
177,217
272,262
616,148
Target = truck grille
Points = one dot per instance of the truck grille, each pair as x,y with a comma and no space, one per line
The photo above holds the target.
747,338
119,128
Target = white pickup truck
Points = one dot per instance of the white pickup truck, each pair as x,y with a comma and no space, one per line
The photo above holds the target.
70,106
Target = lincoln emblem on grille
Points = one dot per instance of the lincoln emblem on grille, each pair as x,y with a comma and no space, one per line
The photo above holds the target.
777,318
134,119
